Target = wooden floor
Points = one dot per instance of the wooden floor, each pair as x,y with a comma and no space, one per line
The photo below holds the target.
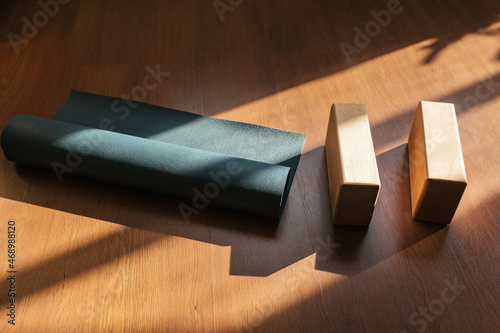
92,256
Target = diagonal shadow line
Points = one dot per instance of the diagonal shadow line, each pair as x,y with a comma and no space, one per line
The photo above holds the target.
394,37
279,32
84,258
465,100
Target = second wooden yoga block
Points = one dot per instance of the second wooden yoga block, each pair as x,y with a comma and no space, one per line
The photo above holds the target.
437,171
352,168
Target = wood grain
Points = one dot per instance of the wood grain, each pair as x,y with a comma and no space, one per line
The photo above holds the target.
94,257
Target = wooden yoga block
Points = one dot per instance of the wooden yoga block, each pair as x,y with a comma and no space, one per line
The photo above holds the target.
437,171
352,168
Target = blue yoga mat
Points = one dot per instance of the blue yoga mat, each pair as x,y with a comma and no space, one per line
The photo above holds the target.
202,159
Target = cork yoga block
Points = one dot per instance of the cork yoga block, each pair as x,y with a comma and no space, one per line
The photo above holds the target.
352,168
437,171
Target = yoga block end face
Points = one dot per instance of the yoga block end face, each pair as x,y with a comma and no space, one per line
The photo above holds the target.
438,200
353,177
437,171
355,204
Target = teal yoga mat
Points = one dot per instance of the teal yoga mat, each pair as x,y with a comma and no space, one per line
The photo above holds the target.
202,159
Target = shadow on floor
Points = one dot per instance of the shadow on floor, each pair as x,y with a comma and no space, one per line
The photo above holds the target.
359,248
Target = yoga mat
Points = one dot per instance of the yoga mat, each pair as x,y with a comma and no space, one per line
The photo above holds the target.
203,159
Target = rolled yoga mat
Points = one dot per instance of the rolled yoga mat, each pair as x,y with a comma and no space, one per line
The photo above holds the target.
203,159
